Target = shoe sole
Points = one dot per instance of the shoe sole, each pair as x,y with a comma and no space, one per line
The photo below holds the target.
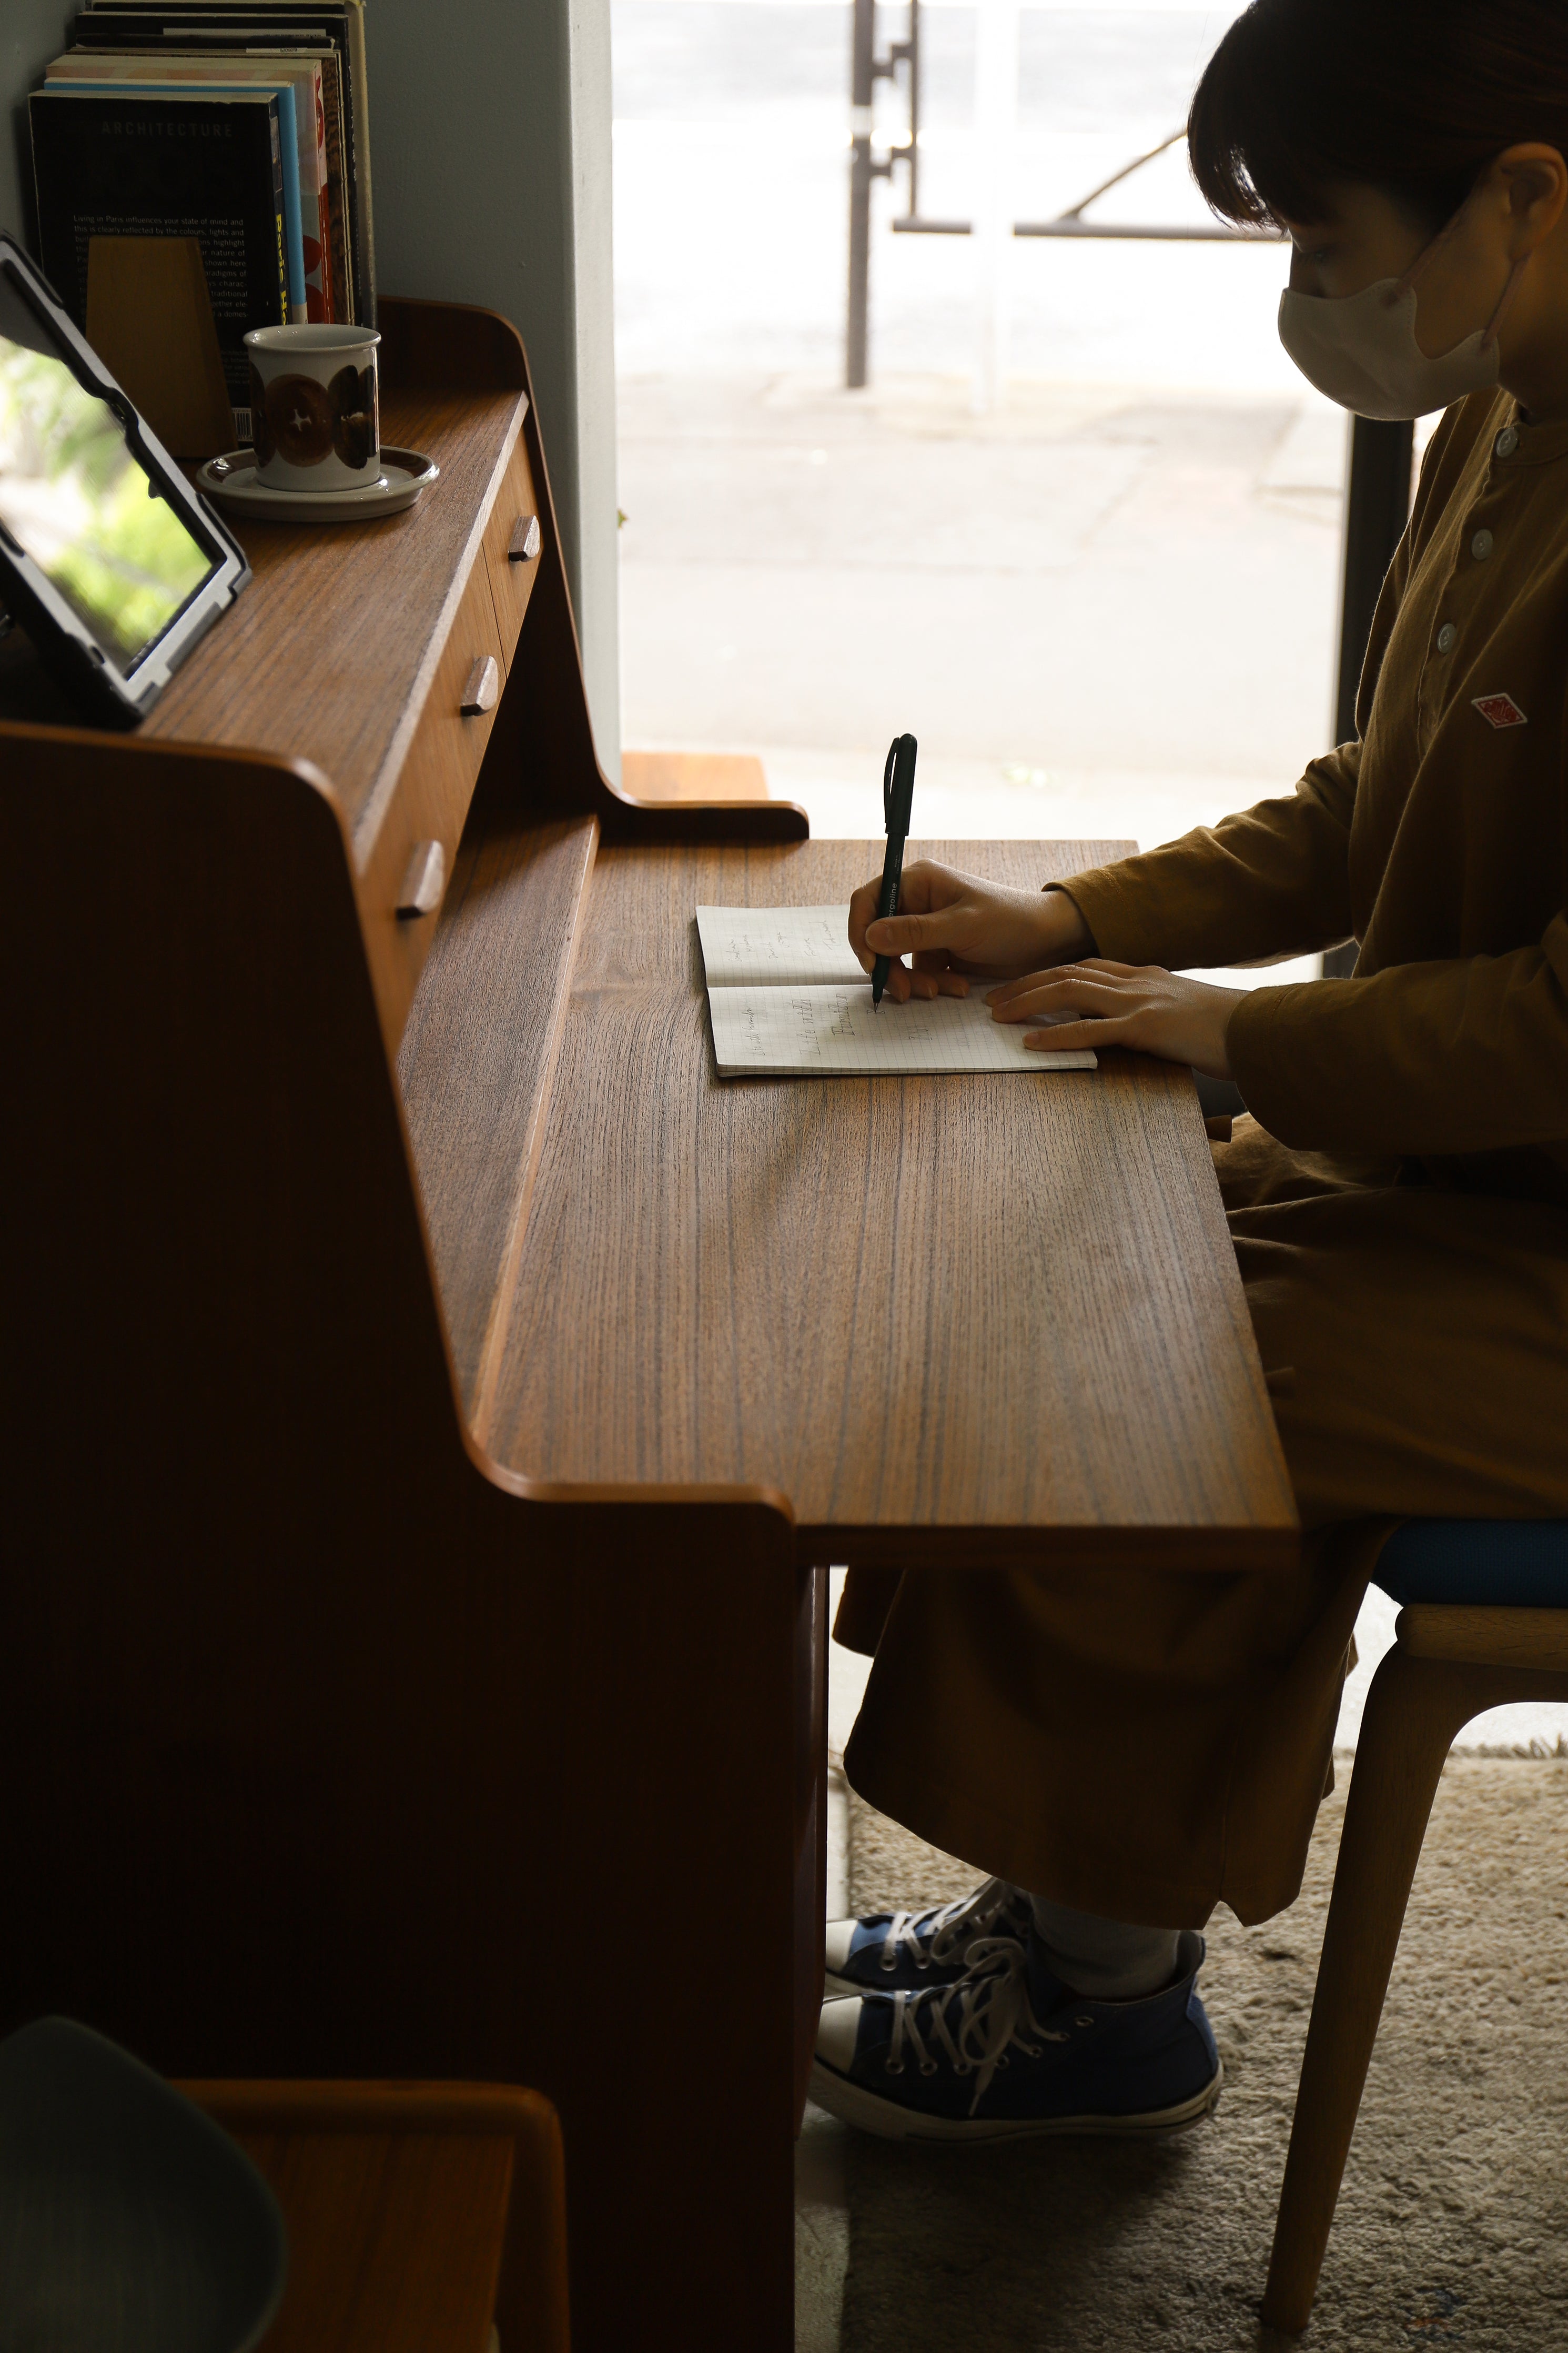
856,2106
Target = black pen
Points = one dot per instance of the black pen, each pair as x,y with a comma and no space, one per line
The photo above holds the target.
897,798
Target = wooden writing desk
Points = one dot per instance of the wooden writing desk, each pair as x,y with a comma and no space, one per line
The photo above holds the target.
966,1320
424,1677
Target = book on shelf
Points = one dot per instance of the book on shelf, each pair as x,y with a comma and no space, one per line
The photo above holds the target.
330,31
306,206
186,163
220,86
111,32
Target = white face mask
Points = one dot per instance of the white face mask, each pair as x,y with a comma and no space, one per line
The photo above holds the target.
1360,349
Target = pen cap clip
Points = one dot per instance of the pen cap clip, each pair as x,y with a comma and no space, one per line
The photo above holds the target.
898,785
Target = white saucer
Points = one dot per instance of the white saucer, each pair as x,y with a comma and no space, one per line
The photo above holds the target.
231,481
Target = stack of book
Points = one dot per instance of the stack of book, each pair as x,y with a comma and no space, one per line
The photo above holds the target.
239,122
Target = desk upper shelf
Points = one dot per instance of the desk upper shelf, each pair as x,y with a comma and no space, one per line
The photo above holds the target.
330,653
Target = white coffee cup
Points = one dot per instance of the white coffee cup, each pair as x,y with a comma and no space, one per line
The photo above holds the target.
314,408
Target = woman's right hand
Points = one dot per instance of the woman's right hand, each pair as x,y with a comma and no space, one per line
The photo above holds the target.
956,928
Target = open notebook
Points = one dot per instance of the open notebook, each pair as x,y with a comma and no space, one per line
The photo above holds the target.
786,995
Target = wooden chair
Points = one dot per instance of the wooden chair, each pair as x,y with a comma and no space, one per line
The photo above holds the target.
1485,1623
422,2218
350,2218
127,2220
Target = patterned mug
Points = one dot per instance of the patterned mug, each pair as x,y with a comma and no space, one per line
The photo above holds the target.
315,414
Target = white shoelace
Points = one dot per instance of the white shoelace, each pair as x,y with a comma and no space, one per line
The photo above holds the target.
951,1928
994,2017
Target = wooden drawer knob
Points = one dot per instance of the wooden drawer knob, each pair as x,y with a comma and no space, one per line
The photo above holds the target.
423,879
524,543
483,687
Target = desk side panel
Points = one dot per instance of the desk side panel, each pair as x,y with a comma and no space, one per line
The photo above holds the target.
313,1735
548,736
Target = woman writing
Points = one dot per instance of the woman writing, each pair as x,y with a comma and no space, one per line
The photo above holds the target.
1120,1753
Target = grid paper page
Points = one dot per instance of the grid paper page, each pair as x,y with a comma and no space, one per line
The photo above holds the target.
807,1032
760,947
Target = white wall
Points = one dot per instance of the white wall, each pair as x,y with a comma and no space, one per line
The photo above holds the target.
491,158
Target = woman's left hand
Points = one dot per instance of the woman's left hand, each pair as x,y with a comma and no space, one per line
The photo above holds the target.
1141,1006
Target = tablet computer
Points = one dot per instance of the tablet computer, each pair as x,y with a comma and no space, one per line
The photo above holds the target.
111,560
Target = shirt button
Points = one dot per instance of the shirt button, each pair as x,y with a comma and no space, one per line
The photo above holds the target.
1481,545
1446,637
1506,442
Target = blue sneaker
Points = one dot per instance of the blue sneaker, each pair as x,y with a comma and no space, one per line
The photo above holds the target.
1010,2051
905,1952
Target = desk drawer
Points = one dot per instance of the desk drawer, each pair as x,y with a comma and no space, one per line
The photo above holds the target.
506,540
401,889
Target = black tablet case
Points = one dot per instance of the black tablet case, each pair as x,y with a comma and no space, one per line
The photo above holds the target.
57,643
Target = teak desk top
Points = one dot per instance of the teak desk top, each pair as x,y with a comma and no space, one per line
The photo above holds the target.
948,1318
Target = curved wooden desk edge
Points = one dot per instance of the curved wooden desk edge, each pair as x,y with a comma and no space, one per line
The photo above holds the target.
447,342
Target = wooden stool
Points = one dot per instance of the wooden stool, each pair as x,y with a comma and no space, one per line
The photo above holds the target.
421,2216
1449,1662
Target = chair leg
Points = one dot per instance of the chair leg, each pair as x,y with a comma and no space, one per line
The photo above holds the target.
810,1822
1414,1710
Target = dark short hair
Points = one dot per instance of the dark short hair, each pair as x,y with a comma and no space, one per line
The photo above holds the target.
1413,97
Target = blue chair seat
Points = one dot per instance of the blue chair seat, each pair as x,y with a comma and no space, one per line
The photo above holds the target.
1513,1563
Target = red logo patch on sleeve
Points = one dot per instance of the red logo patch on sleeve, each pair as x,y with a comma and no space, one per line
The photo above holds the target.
1499,710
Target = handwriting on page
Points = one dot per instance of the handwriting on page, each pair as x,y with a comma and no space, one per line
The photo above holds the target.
787,995
764,947
805,1030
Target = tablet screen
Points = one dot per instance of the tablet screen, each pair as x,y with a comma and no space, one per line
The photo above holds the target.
74,497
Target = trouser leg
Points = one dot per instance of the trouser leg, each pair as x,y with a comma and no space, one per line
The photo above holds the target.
863,1608
1134,1746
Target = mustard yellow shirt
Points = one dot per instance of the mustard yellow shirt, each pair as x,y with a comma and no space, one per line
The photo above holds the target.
1438,840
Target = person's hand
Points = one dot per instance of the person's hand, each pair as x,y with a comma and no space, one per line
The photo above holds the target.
1098,1003
956,928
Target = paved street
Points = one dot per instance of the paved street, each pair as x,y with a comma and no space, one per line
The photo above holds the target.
1102,612
1107,609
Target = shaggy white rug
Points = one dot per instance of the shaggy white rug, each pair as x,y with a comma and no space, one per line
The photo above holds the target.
1453,2224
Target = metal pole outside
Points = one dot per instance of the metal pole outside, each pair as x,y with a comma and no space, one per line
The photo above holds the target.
1377,508
861,72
